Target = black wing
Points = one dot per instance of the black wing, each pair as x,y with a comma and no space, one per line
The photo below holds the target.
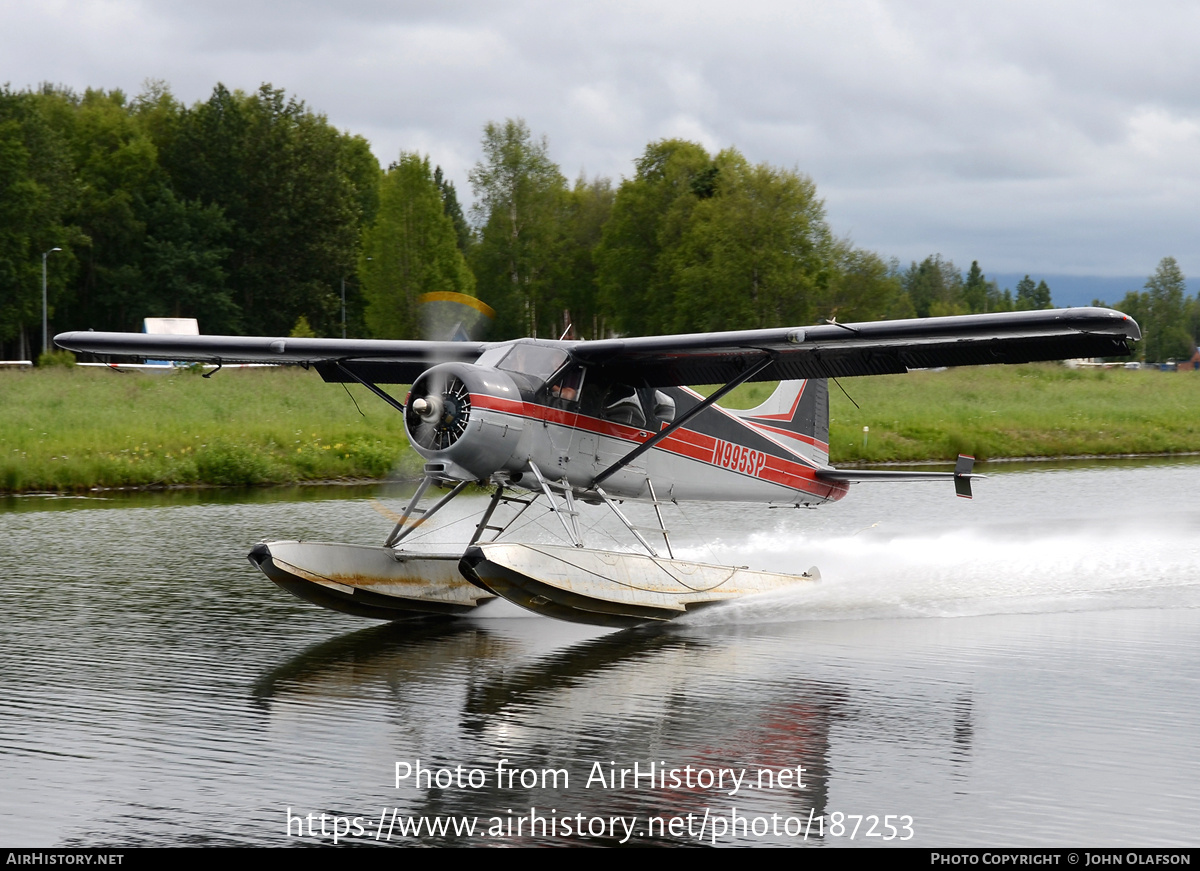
380,360
826,351
878,348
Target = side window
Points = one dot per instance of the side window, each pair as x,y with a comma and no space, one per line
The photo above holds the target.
622,405
664,407
565,391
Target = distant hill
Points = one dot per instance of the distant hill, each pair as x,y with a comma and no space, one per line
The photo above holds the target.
1074,290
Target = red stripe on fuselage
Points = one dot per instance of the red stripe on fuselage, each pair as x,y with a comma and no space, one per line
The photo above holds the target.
682,442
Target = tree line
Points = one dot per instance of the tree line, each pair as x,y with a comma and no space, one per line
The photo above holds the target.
244,211
1170,321
253,214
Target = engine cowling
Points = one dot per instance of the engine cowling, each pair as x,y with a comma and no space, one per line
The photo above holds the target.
453,425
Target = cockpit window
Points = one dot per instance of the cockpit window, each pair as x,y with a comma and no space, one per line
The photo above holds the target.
565,390
537,360
492,356
622,405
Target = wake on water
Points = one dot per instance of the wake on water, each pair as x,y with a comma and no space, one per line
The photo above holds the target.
1104,538
965,572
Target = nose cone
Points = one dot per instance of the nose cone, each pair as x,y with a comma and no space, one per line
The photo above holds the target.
430,410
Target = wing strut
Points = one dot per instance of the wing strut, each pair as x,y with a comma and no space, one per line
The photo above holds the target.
378,391
767,360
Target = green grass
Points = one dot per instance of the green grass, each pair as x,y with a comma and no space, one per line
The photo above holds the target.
72,429
65,430
992,412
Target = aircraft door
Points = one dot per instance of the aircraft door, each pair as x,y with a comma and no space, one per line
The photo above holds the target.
562,400
622,412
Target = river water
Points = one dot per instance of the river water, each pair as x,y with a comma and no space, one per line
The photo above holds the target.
1022,669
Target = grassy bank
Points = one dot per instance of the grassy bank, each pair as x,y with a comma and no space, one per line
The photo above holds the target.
992,412
64,429
73,429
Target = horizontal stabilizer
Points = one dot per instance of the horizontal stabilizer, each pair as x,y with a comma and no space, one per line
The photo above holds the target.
961,475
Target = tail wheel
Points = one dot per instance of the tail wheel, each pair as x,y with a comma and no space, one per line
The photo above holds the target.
439,409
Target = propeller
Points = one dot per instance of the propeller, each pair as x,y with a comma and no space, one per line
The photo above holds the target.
455,317
439,409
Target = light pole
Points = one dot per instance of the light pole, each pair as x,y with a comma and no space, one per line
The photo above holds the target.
344,302
45,339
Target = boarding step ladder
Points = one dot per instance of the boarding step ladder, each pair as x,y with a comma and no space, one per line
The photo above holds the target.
568,516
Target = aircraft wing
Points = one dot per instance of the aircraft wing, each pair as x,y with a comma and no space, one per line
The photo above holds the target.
825,351
381,360
877,348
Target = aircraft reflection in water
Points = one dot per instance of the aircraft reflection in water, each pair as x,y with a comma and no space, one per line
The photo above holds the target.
578,697
570,424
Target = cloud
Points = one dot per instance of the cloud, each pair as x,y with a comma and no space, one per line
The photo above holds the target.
1029,136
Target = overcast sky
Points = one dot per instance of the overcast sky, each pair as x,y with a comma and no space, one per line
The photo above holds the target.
1043,137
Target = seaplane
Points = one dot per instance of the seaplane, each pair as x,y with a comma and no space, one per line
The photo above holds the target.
579,426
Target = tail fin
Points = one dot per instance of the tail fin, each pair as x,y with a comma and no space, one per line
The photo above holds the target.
797,415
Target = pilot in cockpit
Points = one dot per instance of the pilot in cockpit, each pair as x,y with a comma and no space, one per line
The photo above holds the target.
565,391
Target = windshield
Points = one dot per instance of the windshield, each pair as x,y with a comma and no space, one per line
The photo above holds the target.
539,361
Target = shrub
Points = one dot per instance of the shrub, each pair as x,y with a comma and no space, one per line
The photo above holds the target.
56,358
